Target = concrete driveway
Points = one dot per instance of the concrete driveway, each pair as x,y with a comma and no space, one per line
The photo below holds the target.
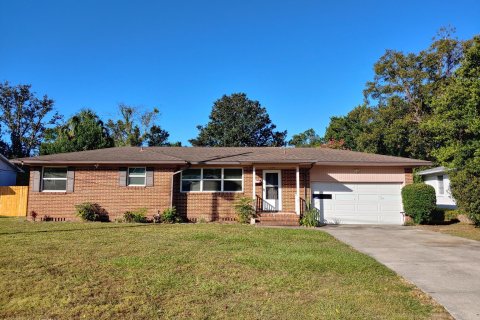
444,266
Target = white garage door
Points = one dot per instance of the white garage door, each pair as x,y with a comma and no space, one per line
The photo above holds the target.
358,203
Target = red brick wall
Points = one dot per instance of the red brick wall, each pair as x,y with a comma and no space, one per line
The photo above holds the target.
101,186
408,176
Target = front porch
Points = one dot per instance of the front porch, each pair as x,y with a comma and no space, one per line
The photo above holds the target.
280,194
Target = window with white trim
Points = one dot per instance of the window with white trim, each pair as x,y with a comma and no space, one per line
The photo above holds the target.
54,179
137,177
212,180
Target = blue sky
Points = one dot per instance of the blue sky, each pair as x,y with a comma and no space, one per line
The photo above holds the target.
305,61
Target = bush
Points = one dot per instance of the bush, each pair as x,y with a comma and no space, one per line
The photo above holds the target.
170,215
91,212
465,188
452,215
138,215
244,209
311,217
419,202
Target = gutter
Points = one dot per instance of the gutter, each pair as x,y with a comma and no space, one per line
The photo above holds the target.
55,162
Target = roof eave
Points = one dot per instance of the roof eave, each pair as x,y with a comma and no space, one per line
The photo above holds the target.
409,164
71,162
434,171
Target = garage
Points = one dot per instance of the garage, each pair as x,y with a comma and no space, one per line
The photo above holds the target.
358,203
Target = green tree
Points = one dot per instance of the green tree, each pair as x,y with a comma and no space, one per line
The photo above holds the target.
308,138
25,118
402,91
157,137
351,127
136,128
455,124
125,131
236,121
83,131
399,100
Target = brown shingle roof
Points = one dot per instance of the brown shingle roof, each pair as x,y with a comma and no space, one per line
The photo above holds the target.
221,155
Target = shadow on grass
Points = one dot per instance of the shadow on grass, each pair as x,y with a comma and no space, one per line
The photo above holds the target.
77,229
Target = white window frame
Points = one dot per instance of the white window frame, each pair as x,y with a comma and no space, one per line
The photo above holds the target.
221,181
144,176
66,179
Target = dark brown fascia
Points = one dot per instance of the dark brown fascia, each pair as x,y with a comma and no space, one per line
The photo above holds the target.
90,162
370,164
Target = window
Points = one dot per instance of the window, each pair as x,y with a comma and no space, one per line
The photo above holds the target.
441,188
212,180
54,179
191,180
232,180
136,177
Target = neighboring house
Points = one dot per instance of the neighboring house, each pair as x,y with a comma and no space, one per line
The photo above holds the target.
438,178
203,183
8,172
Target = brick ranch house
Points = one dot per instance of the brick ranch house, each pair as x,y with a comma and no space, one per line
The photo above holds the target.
203,183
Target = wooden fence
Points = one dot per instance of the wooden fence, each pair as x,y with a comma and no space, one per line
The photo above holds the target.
13,201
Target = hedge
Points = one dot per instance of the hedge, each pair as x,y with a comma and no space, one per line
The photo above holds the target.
419,202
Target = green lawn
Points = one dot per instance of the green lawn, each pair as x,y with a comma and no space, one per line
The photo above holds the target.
463,230
196,271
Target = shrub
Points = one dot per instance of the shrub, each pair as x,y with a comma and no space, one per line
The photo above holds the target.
170,215
244,209
136,215
419,202
452,215
34,215
311,217
465,188
91,212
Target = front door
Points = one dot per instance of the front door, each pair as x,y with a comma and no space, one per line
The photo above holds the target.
272,190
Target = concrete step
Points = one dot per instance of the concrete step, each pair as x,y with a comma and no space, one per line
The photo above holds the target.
279,223
278,219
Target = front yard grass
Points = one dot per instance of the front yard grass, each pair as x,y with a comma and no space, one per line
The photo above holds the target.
463,230
62,270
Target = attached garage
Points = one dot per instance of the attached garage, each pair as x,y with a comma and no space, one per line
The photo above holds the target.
358,203
349,195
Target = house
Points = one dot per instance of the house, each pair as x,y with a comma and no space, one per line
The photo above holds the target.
203,183
438,178
8,172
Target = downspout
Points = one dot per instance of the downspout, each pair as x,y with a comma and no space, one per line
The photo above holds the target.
171,182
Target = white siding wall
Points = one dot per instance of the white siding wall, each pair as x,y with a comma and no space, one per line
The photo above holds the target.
443,200
8,177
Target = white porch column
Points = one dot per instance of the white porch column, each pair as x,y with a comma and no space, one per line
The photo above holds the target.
254,177
297,194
